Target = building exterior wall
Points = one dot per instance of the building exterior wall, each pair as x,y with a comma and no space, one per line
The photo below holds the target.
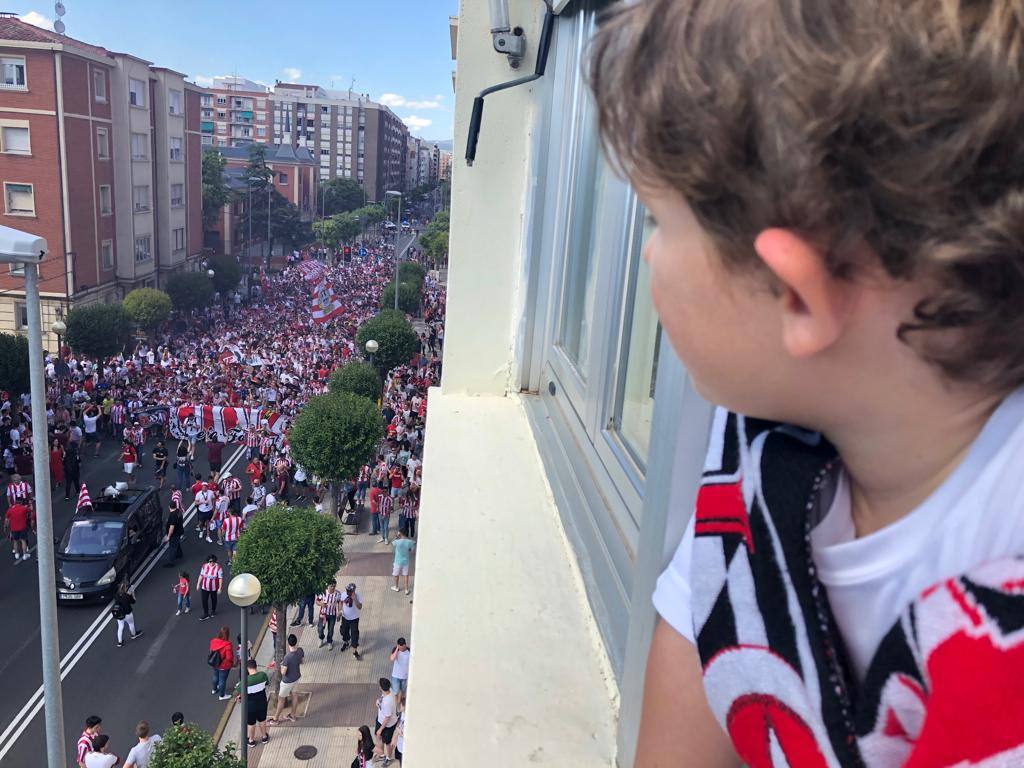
171,216
193,173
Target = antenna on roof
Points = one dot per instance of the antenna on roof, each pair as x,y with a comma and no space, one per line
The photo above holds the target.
59,10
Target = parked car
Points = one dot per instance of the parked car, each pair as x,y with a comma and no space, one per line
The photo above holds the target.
110,542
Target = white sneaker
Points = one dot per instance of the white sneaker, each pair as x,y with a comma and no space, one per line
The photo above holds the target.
27,556
408,592
395,589
209,540
187,610
177,613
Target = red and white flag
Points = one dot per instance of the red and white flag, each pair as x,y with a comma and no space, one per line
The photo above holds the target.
83,500
325,304
313,271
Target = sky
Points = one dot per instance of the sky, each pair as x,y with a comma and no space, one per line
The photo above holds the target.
398,51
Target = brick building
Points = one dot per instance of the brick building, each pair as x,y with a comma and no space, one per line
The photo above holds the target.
234,112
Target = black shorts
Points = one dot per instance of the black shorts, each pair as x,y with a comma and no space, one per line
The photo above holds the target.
257,710
215,466
387,733
161,471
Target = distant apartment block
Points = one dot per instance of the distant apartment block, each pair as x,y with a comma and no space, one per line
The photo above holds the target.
99,154
234,112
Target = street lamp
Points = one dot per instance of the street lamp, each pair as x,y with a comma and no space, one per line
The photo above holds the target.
59,328
371,349
210,273
244,590
398,234
17,247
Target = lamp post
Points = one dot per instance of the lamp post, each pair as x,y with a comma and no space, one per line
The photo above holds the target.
398,235
244,590
59,328
17,247
371,349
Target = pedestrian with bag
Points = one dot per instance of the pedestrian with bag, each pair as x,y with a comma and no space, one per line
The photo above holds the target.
364,748
221,659
209,584
122,610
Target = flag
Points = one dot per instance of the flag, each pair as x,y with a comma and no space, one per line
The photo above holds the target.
83,500
313,271
325,304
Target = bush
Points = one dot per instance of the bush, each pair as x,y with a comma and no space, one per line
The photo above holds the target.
408,297
335,434
227,273
358,378
14,368
189,746
411,272
98,330
396,337
147,307
189,290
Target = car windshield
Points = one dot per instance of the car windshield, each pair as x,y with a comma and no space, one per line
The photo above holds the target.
92,537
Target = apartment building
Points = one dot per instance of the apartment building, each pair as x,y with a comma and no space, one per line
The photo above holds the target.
93,157
234,112
445,166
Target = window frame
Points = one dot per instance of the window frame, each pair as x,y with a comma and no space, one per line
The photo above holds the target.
15,125
171,149
149,248
7,199
175,106
104,131
98,77
180,198
148,205
143,143
24,72
175,234
142,93
110,199
104,264
21,313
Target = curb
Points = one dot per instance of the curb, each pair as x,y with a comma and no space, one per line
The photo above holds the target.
222,724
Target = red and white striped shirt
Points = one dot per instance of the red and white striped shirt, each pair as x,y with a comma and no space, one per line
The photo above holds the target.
117,414
266,443
211,577
84,746
385,505
273,620
232,527
233,488
364,473
252,438
16,491
176,498
329,603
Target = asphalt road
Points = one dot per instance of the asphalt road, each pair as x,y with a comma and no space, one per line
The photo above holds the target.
163,671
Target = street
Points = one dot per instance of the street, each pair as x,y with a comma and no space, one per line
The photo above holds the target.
162,672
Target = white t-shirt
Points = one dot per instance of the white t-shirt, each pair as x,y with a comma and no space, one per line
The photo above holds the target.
142,752
90,423
386,710
100,760
204,500
350,612
400,667
975,516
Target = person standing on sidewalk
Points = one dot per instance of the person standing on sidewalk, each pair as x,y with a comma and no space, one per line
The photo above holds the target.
256,712
403,546
122,610
384,506
400,669
209,584
291,671
222,659
375,494
328,604
351,605
100,756
387,719
142,752
305,604
85,741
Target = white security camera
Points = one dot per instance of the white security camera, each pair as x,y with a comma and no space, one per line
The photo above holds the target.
17,247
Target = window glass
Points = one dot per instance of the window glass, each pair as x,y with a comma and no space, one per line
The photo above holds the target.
102,144
105,202
20,200
177,194
136,92
12,73
175,148
142,248
99,85
174,102
139,143
107,253
14,140
140,196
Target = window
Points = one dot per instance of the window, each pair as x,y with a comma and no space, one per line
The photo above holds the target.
205,100
221,100
107,254
136,92
142,248
174,102
21,314
282,178
175,147
325,110
20,199
261,103
106,202
206,141
139,146
177,195
325,151
103,143
14,138
99,85
179,239
140,197
12,73
207,113
261,131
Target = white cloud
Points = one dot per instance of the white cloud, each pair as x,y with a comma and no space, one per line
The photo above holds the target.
292,73
417,123
37,19
204,81
391,100
422,104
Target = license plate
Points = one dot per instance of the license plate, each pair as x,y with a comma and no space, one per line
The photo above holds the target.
72,597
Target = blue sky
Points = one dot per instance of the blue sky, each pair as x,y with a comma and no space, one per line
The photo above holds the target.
398,51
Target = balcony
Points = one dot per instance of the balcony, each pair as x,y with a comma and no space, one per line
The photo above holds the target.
206,126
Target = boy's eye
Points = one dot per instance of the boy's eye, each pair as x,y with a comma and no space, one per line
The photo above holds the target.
649,221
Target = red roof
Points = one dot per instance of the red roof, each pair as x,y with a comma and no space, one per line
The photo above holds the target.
12,28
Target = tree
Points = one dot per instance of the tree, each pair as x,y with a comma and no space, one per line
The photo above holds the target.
215,192
14,370
359,378
396,338
411,272
147,307
294,553
434,240
326,231
98,330
335,434
341,196
189,290
257,171
340,228
370,216
227,273
286,224
408,297
189,746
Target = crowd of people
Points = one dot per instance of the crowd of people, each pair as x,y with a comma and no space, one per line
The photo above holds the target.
263,353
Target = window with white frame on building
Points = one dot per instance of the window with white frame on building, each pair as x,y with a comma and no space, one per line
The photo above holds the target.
282,178
12,73
179,239
206,140
142,248
107,254
261,131
19,199
136,92
177,195
221,100
205,100
103,143
99,85
174,144
261,103
140,197
140,145
14,137
221,114
106,200
21,315
174,102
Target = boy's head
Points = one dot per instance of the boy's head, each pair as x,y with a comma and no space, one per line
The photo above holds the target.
838,189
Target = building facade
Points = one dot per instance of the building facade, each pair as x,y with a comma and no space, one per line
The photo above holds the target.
93,158
235,111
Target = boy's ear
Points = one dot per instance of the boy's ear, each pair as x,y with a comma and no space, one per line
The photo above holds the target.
813,304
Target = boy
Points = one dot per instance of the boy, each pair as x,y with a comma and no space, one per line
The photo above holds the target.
840,240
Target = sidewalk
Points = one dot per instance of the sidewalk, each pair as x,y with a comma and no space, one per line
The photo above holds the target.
337,693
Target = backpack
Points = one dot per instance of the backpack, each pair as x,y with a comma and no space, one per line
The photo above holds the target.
214,658
117,611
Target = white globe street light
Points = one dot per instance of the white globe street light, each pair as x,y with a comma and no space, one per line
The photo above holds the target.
210,272
244,590
372,347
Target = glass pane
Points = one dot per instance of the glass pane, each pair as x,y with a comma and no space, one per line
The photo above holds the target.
642,335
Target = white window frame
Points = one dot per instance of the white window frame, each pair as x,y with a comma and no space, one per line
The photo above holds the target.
15,125
7,199
102,148
99,85
15,61
109,209
143,148
147,240
21,312
147,203
175,102
105,247
137,97
179,239
174,151
222,101
180,198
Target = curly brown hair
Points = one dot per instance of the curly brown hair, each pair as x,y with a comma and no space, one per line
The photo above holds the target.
893,123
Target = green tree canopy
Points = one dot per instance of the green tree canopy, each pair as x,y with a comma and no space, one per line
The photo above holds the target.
411,272
227,273
215,192
335,434
189,290
434,240
256,170
98,330
189,746
408,297
396,338
342,195
14,370
340,228
359,378
147,307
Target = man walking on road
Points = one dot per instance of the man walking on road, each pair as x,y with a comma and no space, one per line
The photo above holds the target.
351,605
175,524
204,504
209,583
16,526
